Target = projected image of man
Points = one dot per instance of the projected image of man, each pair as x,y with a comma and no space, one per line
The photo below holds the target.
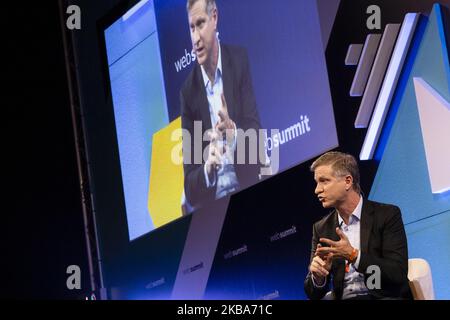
218,93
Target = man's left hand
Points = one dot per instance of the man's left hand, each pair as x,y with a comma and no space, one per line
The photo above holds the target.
341,248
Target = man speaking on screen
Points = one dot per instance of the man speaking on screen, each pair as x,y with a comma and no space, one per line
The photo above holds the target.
218,95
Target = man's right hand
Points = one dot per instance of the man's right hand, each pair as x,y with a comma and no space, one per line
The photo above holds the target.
214,161
320,267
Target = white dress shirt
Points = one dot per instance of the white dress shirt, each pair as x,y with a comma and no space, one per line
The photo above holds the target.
353,280
225,178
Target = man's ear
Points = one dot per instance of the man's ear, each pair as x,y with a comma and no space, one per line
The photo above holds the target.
215,16
348,182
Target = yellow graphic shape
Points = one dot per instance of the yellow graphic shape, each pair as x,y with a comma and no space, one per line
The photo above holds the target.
166,175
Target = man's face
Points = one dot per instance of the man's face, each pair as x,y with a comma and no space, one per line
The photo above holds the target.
330,190
203,31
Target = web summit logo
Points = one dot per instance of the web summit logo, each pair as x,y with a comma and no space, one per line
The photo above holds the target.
185,61
288,134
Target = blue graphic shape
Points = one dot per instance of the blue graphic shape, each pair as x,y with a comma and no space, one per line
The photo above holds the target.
402,176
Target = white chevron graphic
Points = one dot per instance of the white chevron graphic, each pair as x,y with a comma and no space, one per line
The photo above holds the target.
434,114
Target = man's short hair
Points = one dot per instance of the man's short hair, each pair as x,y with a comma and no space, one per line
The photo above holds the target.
210,5
342,164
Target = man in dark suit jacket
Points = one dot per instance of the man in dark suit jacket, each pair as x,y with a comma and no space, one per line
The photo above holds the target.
223,70
360,248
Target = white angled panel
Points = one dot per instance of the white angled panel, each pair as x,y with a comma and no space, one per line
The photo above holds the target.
389,85
434,114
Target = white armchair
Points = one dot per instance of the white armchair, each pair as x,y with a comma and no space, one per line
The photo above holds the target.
420,280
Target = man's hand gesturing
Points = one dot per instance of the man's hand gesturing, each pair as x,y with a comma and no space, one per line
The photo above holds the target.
320,266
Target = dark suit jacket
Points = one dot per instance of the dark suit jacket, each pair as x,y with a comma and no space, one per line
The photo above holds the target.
238,91
383,243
